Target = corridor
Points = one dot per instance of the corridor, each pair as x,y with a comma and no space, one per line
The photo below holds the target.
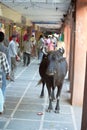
23,104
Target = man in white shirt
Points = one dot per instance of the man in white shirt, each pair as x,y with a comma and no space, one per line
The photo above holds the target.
27,52
13,55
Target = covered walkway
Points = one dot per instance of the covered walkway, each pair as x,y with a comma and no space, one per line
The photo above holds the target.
23,105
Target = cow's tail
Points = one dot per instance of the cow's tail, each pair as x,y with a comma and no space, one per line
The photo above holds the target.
39,82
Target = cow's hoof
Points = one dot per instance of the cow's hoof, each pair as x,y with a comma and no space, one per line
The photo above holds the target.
56,111
49,110
1,113
41,96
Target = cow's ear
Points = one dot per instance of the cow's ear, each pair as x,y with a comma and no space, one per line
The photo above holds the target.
61,50
44,51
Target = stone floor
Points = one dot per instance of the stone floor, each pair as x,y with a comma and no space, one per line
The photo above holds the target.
23,104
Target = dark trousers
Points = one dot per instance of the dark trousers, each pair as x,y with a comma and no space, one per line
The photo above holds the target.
26,58
13,68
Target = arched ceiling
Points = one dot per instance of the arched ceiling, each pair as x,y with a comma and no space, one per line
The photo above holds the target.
45,13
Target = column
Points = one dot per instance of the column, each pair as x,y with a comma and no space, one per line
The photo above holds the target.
80,52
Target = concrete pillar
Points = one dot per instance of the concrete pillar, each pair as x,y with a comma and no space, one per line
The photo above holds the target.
80,52
72,51
84,115
67,41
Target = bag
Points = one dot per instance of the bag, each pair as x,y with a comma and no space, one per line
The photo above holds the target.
1,101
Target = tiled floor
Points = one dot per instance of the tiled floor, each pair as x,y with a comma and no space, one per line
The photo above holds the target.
23,105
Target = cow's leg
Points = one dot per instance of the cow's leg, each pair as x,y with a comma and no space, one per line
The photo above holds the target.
42,91
57,108
53,87
50,99
53,97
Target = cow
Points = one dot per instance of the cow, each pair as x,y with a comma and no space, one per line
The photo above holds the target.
52,70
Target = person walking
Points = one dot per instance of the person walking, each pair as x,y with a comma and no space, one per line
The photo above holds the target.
40,46
13,56
27,52
3,47
4,50
4,71
33,43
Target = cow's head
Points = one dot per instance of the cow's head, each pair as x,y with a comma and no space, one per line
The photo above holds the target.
53,59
